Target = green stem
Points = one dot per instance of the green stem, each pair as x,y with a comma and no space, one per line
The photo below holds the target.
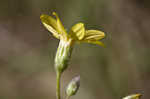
67,97
58,85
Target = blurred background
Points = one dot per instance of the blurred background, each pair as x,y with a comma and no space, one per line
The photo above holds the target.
27,51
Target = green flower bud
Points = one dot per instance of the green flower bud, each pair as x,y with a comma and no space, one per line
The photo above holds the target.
63,55
133,96
73,86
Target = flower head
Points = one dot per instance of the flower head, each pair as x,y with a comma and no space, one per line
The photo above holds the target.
73,86
77,33
133,96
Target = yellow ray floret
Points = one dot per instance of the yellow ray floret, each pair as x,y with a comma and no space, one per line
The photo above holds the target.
78,33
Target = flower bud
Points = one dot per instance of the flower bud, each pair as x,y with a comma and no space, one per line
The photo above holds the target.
73,86
63,55
133,96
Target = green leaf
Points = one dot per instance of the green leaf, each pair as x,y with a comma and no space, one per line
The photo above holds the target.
78,31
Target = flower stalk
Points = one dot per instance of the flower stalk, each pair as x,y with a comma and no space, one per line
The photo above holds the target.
58,78
62,58
68,97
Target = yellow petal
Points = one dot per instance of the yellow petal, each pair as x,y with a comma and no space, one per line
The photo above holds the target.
94,35
78,31
134,96
50,24
95,42
60,26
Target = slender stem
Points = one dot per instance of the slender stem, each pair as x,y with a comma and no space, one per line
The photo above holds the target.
67,97
58,85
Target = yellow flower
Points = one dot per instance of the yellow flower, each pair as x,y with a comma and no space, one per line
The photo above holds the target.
78,33
133,96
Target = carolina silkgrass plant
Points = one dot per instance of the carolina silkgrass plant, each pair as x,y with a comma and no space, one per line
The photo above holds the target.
77,34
